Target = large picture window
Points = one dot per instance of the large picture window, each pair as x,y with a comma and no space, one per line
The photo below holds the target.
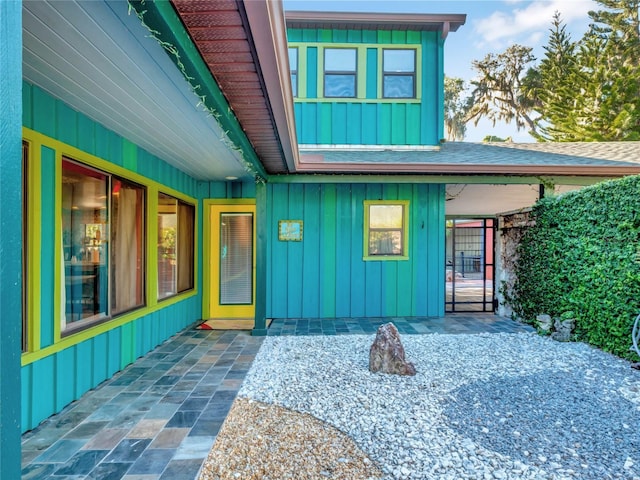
176,223
398,73
103,245
340,68
386,230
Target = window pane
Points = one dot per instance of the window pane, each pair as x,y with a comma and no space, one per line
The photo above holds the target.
385,242
127,245
294,84
339,59
399,60
385,216
186,224
236,259
293,59
85,240
398,86
167,235
339,85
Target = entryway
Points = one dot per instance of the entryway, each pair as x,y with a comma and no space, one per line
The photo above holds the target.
469,269
230,280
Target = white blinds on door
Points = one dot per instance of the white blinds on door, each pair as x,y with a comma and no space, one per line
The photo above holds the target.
236,258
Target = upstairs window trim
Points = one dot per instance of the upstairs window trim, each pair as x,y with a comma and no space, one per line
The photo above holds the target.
348,72
390,73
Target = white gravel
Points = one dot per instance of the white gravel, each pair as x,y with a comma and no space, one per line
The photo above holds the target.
514,406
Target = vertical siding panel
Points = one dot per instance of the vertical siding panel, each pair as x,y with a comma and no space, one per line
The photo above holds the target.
84,356
311,127
354,36
384,36
65,361
279,269
129,155
339,36
398,123
435,260
115,148
27,105
67,120
372,73
114,347
101,356
294,35
43,389
271,240
390,268
354,123
325,35
384,124
86,134
127,339
373,269
44,112
312,72
27,395
429,111
357,287
102,141
294,253
405,268
324,124
47,271
343,251
413,36
338,124
328,252
297,113
369,36
311,246
398,36
418,249
369,120
413,126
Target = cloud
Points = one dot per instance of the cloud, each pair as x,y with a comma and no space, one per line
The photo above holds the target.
532,19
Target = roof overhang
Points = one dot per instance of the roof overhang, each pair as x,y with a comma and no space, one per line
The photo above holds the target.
444,23
614,159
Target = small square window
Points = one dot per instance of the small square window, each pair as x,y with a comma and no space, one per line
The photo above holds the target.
386,230
398,73
340,67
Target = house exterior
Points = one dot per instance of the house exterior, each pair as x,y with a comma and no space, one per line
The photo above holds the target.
179,161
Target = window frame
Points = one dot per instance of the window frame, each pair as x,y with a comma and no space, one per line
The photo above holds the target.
411,74
294,71
344,73
74,327
404,230
26,331
177,249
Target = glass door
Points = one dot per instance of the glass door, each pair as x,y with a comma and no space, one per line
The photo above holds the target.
469,265
232,261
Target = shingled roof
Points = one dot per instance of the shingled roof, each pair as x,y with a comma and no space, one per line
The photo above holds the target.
575,158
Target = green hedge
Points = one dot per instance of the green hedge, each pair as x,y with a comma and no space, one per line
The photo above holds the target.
583,255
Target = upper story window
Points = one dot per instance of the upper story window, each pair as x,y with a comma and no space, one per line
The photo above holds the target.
398,73
386,235
293,66
340,72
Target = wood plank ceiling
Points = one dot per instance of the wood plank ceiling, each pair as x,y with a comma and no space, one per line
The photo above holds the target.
221,32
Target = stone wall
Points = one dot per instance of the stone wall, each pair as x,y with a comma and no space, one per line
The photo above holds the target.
511,227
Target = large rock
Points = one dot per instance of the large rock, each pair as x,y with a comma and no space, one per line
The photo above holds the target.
387,353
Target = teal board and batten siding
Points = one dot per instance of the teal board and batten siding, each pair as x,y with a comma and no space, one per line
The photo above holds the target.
369,121
325,276
50,383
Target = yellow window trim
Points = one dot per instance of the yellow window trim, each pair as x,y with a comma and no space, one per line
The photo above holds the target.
36,141
405,231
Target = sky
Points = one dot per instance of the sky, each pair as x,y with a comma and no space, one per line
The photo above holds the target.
491,27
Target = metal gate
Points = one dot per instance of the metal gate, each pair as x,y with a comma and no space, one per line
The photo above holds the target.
469,269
